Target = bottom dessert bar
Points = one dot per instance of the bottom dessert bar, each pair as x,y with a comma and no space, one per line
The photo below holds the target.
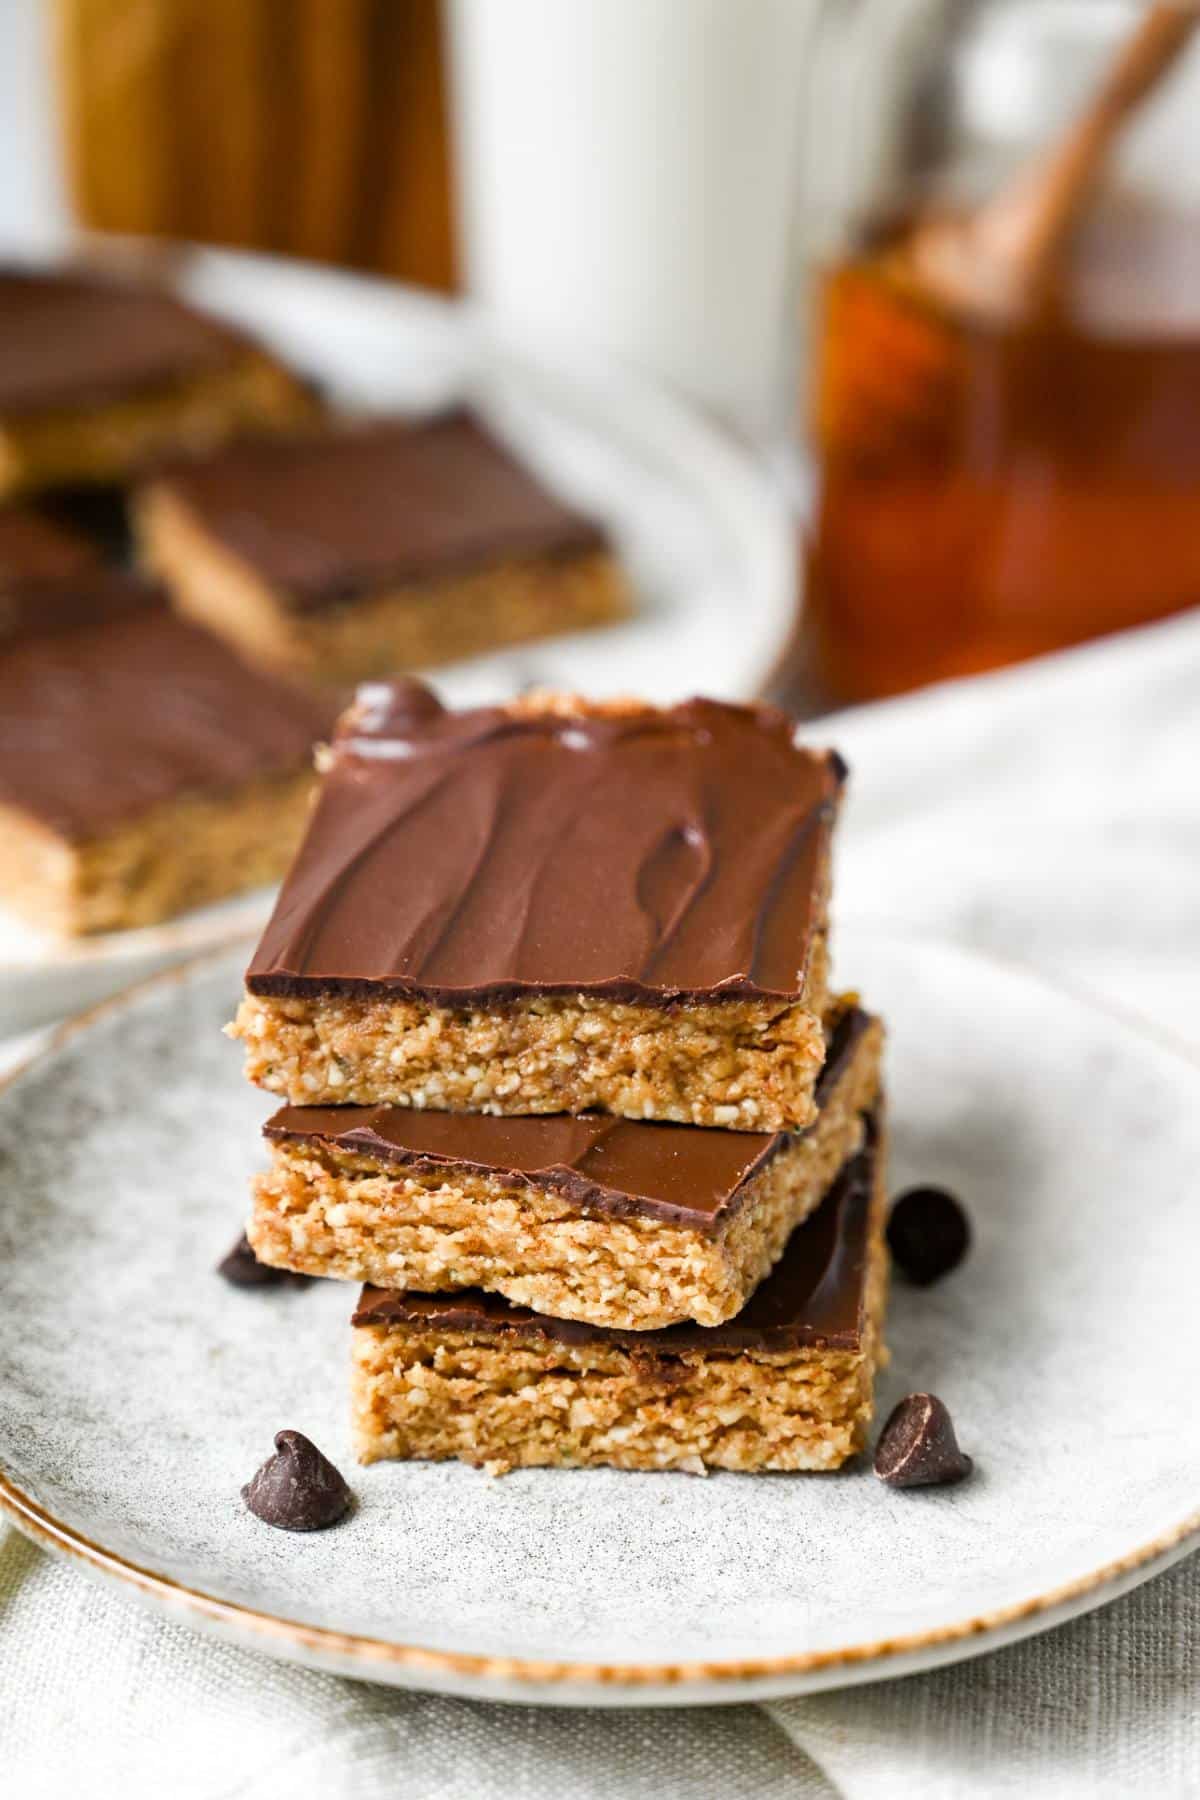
787,1385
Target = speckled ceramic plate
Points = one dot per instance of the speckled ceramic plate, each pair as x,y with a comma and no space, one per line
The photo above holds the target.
139,1391
708,540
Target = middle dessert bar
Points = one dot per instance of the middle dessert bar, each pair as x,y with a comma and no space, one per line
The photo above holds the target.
555,907
619,1222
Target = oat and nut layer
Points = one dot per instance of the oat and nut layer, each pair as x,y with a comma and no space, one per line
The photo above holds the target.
555,906
614,1221
787,1385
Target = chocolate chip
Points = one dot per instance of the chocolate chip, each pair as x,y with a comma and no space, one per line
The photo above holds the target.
917,1447
243,1269
297,1489
927,1234
840,767
406,697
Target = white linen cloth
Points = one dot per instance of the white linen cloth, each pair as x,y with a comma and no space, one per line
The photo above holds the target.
1051,813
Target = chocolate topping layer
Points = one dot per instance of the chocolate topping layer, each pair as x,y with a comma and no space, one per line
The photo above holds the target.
629,854
621,1167
34,548
30,609
100,723
73,340
329,517
813,1296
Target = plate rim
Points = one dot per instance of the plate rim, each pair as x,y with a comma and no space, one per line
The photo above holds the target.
564,1681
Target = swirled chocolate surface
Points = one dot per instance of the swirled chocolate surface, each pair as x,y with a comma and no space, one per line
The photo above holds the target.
340,514
631,854
622,1167
813,1297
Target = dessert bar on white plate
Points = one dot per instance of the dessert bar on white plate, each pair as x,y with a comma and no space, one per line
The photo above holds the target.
707,541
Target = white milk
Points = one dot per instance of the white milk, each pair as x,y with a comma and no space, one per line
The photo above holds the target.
627,178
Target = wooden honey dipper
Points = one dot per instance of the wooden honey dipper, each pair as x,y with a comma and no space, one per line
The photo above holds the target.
998,265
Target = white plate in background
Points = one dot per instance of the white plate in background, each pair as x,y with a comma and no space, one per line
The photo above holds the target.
706,537
141,1391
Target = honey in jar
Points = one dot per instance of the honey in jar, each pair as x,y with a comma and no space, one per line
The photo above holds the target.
991,491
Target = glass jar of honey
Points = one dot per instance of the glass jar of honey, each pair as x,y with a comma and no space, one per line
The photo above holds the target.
996,480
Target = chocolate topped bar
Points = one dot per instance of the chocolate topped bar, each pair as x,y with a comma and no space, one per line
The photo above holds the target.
814,1297
626,853
329,518
100,723
620,1167
34,549
101,376
73,339
32,609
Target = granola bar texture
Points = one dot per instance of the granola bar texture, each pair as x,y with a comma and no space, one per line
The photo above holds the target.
504,1390
742,1065
555,906
622,1224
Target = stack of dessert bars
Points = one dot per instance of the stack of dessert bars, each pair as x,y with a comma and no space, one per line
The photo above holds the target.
546,996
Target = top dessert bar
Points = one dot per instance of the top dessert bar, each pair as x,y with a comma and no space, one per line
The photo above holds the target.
97,375
554,907
387,545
